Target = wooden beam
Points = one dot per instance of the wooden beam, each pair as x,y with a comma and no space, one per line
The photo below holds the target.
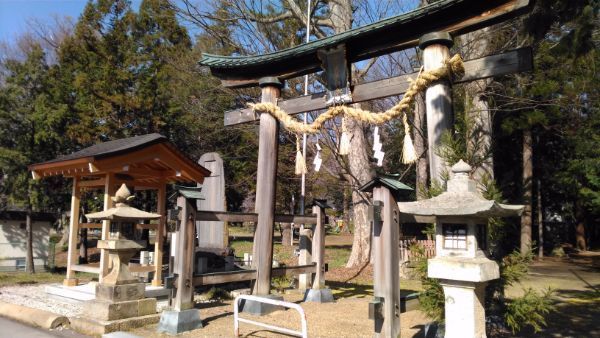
109,192
228,216
90,225
296,219
161,209
133,267
89,268
224,277
250,274
97,183
514,61
70,279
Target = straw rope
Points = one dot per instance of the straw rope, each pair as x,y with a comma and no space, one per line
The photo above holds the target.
451,68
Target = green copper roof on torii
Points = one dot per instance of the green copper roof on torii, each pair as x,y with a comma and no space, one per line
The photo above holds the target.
382,37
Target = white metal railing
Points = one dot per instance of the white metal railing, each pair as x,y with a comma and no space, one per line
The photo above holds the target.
237,319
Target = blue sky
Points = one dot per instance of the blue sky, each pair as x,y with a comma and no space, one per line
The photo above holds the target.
14,14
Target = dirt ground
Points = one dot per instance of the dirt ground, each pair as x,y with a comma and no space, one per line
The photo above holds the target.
576,283
347,317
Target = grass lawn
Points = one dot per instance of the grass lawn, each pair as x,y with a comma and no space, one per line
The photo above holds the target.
22,278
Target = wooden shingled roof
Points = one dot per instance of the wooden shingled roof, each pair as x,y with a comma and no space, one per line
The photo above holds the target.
142,161
389,35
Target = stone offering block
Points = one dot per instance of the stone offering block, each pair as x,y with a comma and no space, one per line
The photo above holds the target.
120,293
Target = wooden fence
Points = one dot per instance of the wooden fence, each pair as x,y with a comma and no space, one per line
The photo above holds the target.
427,244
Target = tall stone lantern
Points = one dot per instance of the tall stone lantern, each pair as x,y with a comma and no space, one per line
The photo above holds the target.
120,295
461,217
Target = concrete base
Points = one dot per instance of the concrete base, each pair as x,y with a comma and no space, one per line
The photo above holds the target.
99,327
105,310
85,292
258,308
175,322
318,296
70,282
119,334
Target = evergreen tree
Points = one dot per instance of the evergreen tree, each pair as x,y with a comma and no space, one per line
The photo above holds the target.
32,129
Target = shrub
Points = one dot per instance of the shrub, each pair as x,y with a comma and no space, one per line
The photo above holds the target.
431,299
529,310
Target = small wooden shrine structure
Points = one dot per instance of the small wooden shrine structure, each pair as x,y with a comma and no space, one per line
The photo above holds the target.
141,162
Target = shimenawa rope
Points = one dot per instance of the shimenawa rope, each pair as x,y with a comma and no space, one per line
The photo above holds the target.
452,68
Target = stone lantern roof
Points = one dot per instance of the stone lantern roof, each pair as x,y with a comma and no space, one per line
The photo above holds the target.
460,199
121,211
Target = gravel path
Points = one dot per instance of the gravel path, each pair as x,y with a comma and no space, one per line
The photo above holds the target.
35,297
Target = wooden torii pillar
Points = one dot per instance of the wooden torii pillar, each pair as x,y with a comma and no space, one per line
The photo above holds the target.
265,189
384,214
438,98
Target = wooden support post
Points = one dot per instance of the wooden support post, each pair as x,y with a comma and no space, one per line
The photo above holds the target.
70,280
185,254
265,189
318,248
385,269
109,192
438,98
305,246
160,233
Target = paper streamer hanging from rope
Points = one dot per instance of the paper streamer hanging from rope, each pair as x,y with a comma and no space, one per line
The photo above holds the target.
377,145
317,161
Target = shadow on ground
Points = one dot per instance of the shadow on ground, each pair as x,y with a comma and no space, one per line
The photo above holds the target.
577,314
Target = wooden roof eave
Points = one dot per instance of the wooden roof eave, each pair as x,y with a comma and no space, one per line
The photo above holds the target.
180,167
383,37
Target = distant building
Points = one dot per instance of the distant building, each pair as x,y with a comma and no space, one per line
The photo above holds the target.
13,244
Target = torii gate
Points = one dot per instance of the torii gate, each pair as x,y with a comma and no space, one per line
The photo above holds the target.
430,27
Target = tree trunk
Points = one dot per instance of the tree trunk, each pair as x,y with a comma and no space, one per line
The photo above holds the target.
360,172
420,142
580,242
479,117
527,191
29,267
346,201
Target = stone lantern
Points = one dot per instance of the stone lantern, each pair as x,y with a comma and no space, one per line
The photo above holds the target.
461,217
120,295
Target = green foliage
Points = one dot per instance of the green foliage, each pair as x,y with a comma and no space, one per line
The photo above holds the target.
431,299
281,283
215,293
529,310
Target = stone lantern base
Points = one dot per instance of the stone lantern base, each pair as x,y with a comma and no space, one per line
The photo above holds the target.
465,312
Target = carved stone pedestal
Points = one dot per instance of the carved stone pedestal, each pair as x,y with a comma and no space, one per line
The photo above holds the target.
120,302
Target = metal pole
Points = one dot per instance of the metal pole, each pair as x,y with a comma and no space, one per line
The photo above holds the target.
303,180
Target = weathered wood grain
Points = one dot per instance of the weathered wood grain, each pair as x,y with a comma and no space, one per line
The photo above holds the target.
265,194
229,216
